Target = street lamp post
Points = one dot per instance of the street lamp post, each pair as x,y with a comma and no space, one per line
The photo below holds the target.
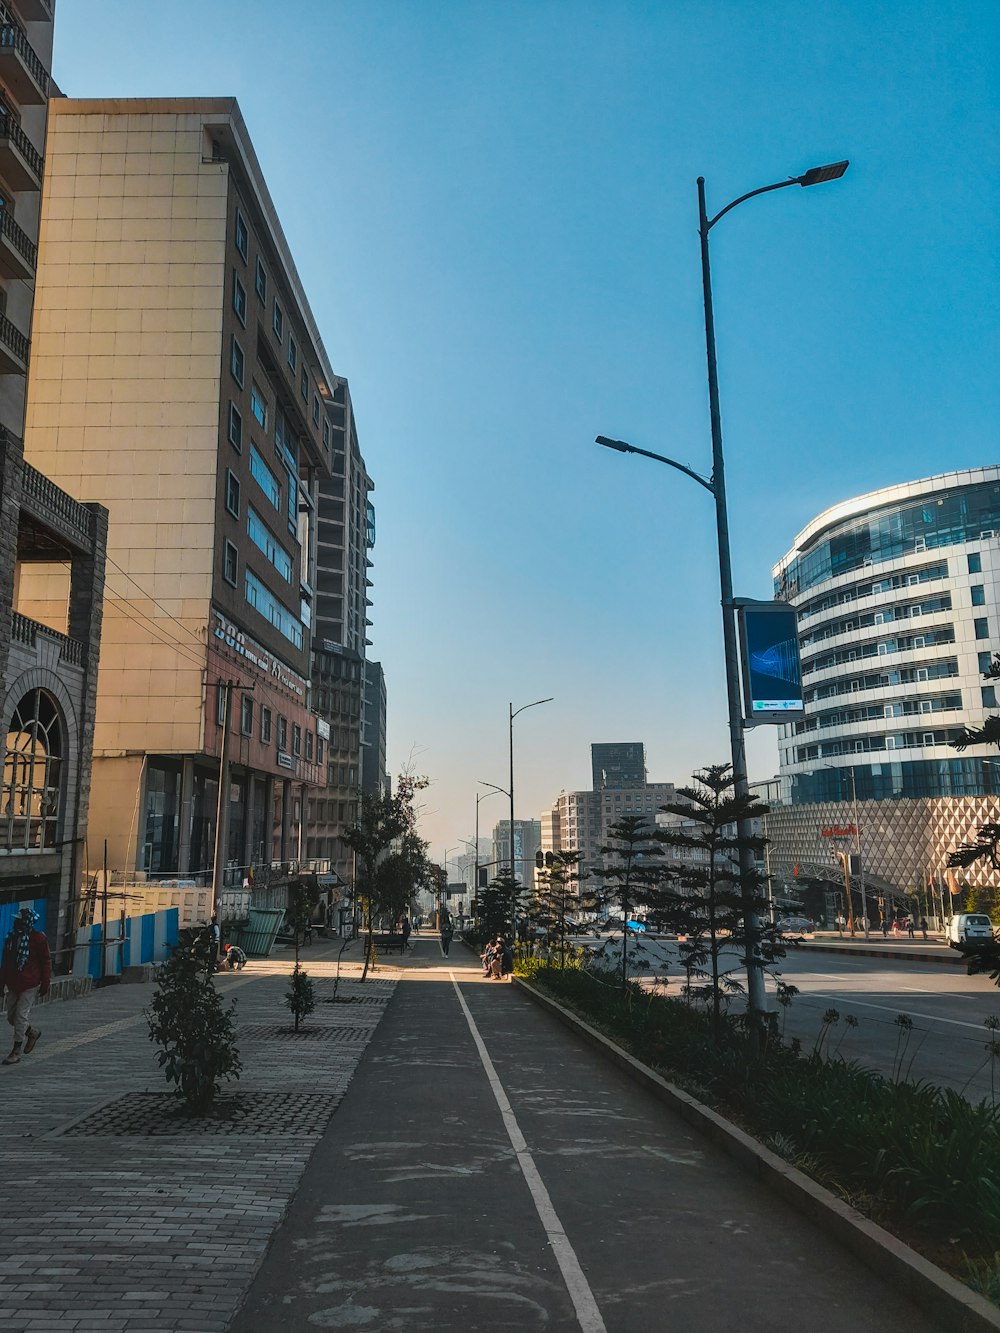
513,877
717,486
481,796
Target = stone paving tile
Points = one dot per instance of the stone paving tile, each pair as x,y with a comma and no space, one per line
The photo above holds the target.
139,1234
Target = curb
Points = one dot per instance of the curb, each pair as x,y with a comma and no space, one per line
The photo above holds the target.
67,988
959,1309
949,959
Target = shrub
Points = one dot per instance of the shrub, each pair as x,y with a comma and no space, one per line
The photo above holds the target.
189,1021
301,995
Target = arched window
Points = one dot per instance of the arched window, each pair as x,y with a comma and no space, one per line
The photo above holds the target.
32,775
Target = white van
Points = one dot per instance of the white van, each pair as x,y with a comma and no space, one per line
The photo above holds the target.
969,928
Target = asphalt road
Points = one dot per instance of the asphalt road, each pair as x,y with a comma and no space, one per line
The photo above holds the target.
947,1043
488,1170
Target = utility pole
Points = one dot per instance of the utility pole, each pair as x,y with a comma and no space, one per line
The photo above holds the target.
222,806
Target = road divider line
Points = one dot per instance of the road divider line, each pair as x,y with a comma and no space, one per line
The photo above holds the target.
890,1009
588,1315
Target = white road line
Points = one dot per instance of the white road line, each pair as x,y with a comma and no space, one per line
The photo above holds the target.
587,1314
890,1009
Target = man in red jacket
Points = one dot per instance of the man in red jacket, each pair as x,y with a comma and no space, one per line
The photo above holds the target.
25,971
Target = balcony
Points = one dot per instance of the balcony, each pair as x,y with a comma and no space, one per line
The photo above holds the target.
53,508
18,254
13,349
21,163
21,70
28,632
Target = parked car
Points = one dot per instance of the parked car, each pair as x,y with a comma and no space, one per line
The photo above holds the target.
969,928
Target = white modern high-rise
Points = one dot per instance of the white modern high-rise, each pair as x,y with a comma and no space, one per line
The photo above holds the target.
898,597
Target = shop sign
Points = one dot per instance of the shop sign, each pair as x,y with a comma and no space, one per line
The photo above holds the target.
251,651
839,831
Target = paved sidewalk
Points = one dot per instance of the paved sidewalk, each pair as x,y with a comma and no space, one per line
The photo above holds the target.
111,1219
487,1170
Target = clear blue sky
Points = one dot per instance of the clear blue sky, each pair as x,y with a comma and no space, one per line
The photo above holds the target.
493,210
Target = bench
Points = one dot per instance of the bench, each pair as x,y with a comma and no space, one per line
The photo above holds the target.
386,943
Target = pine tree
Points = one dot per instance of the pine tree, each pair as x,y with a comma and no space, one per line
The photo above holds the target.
707,904
561,897
633,877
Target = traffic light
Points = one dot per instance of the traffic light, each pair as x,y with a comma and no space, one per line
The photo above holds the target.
540,859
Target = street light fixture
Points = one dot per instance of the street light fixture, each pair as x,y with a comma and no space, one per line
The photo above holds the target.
716,484
513,876
481,796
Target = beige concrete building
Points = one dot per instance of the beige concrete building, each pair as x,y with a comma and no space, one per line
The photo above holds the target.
179,378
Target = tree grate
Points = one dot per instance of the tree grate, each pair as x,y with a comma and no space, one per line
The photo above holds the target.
162,1114
308,1032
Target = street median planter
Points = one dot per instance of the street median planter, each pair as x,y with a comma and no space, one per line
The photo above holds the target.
945,1297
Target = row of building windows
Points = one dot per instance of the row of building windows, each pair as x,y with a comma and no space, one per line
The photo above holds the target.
242,239
266,604
941,670
314,743
965,515
936,634
884,616
856,592
899,740
938,703
896,779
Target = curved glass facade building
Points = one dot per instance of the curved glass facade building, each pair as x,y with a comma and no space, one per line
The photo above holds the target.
896,593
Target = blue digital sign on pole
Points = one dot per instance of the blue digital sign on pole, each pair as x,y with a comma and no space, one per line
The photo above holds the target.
772,671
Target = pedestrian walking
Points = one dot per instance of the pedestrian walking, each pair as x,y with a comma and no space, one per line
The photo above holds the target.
885,927
447,931
26,973
909,928
406,933
923,926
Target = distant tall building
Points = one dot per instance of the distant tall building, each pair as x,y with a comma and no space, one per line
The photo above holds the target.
373,771
527,841
618,764
574,825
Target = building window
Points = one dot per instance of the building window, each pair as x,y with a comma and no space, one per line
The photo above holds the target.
262,539
267,605
989,693
315,410
237,363
265,725
258,405
309,747
293,352
230,562
282,732
326,434
232,494
985,662
264,477
982,627
242,236
235,428
279,322
975,563
304,385
319,750
296,738
220,704
239,299
978,594
246,715
260,281
32,775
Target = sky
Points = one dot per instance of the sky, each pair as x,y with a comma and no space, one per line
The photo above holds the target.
492,205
